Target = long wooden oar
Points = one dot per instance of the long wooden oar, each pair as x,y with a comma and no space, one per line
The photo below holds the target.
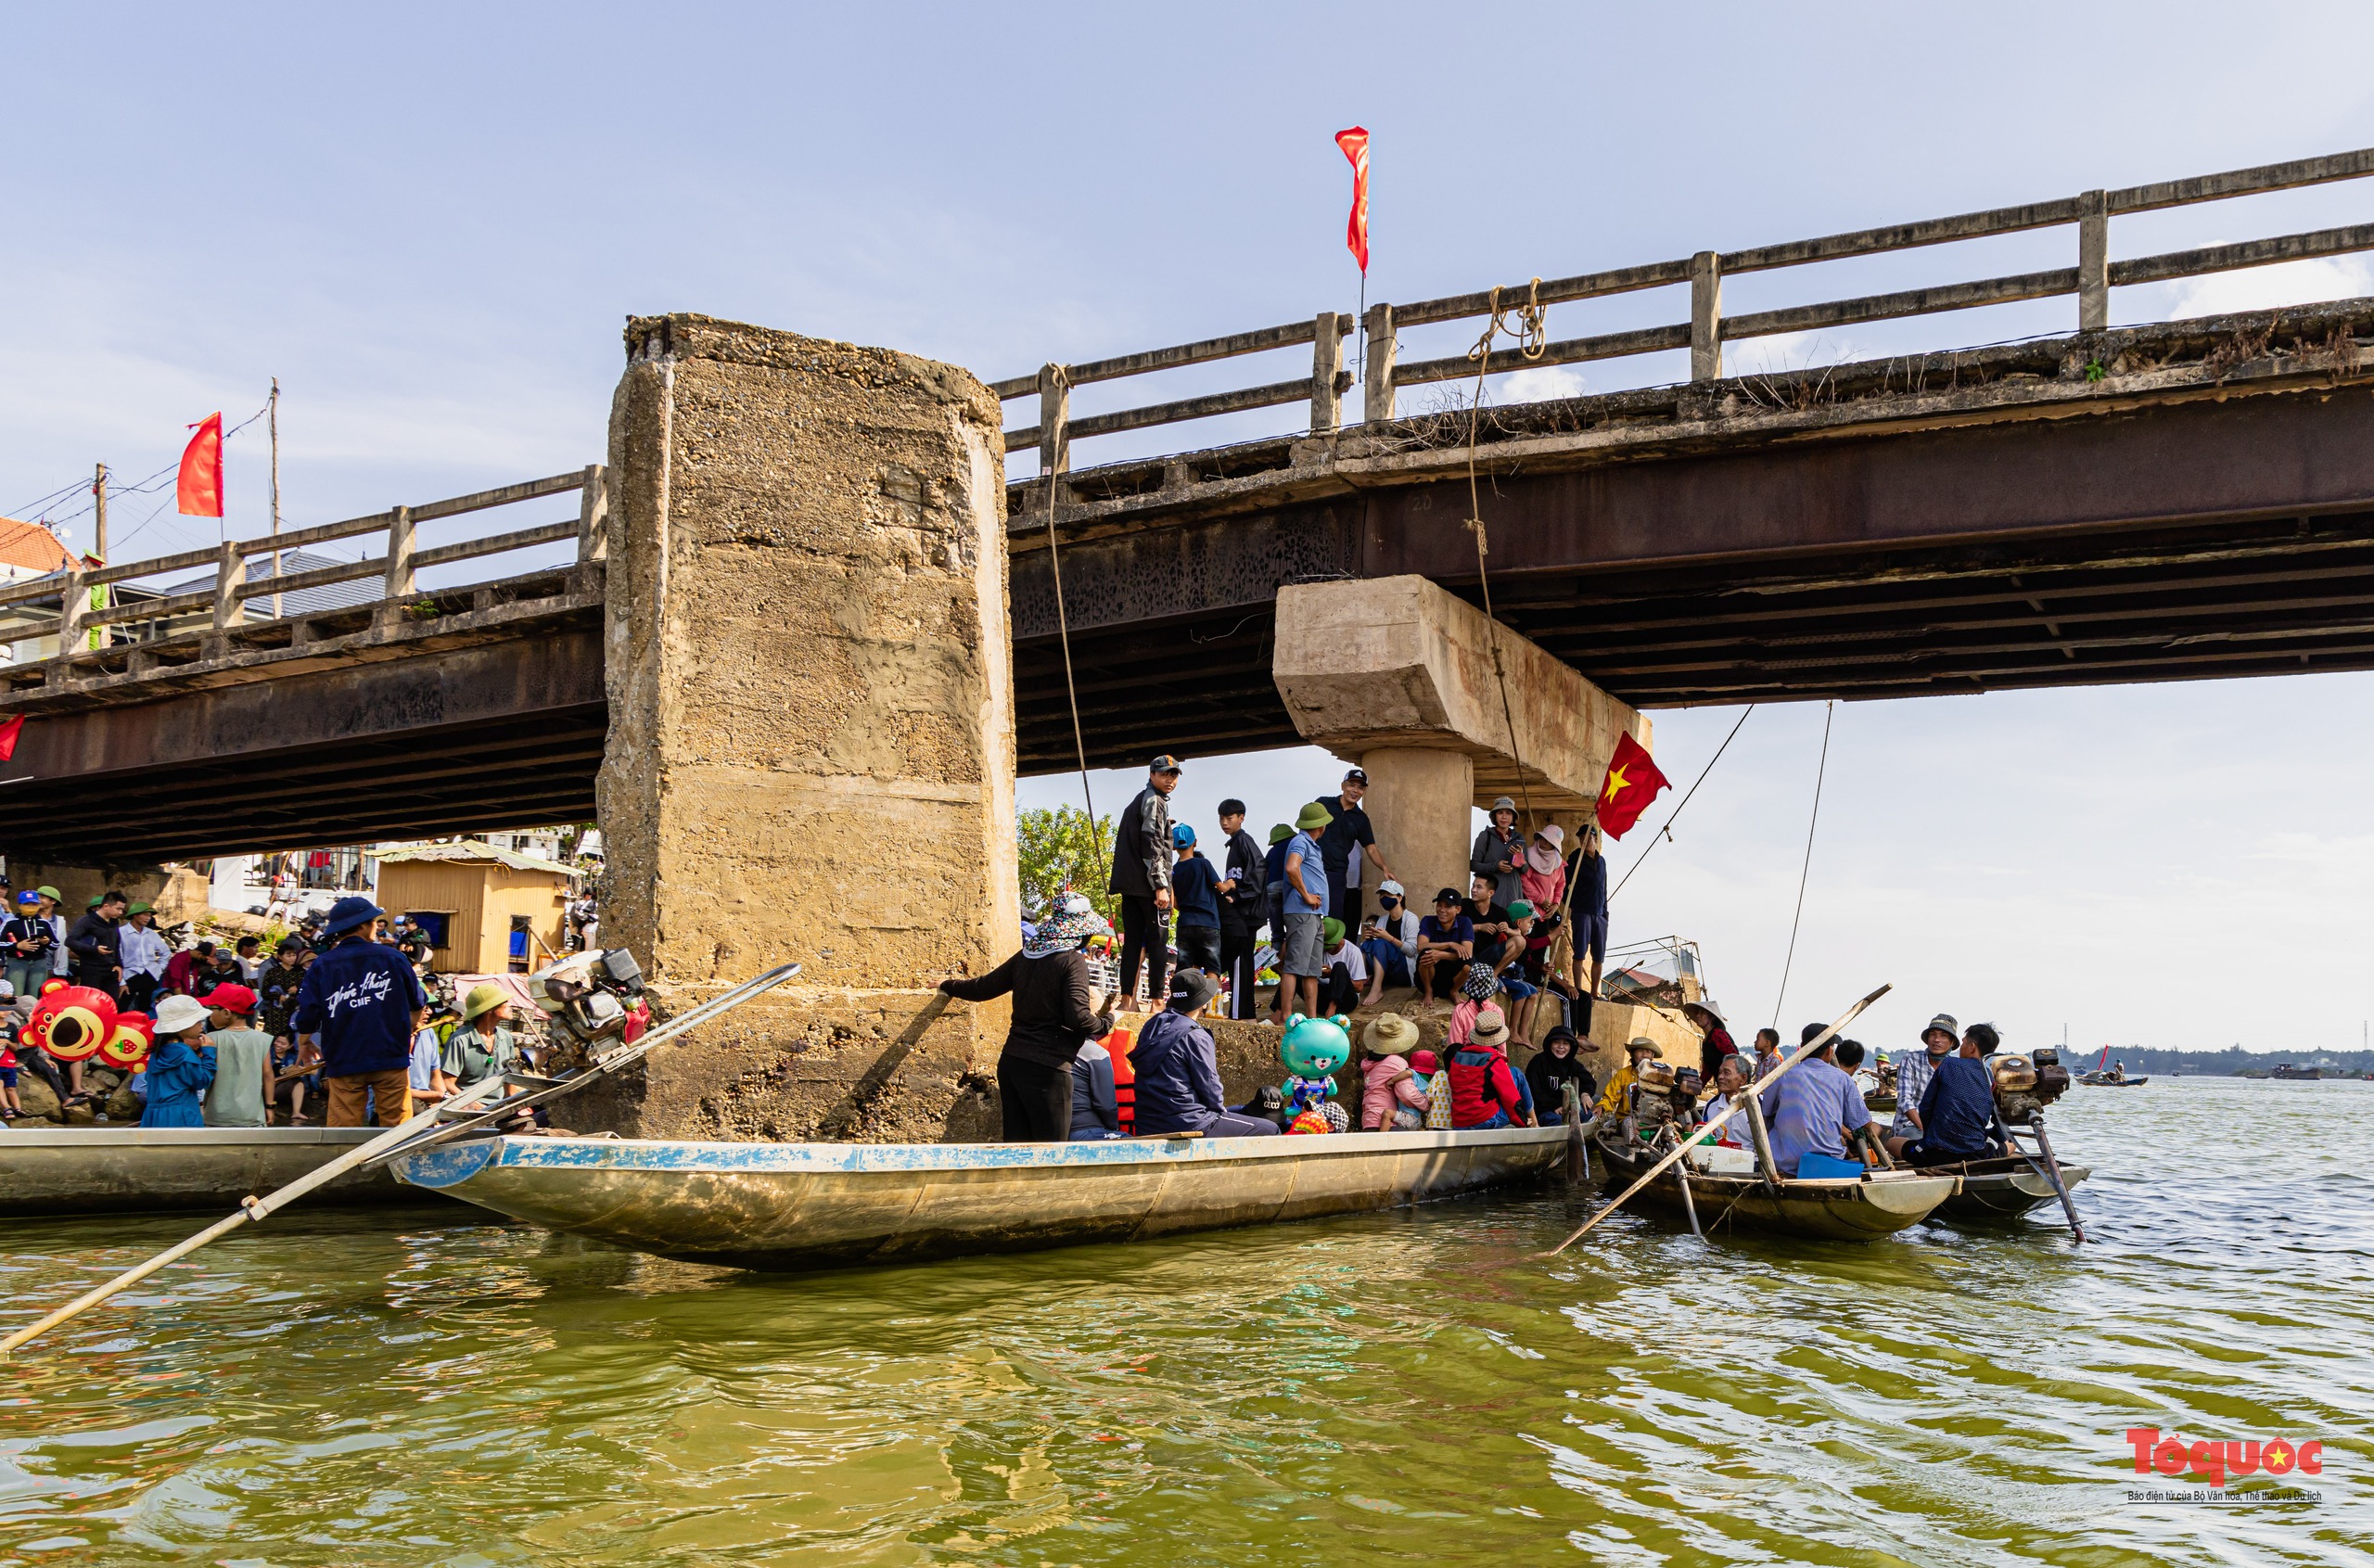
254,1208
419,1131
1752,1092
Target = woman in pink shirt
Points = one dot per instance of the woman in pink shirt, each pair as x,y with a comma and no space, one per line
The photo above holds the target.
1391,1097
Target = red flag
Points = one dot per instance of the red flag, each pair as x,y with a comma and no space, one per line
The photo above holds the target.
198,492
1632,782
9,730
1355,142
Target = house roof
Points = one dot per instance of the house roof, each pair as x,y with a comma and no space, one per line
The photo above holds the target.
468,851
30,547
298,601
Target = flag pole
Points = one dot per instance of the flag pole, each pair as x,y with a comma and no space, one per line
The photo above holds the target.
273,426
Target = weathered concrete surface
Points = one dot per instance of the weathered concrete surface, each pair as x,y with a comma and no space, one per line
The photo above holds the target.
810,741
810,752
1419,799
176,892
1397,662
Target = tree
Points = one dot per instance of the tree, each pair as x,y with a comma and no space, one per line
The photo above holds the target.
1062,848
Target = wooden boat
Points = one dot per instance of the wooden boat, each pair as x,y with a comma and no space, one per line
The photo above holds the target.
815,1205
2001,1189
1841,1208
131,1169
1879,1099
2100,1079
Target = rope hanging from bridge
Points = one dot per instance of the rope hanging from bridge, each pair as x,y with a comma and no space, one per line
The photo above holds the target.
1532,337
1820,768
1063,625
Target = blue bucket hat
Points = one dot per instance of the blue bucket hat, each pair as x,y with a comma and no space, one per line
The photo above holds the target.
351,911
1182,836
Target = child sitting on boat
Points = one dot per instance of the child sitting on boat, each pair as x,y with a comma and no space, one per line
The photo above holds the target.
1392,1098
1484,1091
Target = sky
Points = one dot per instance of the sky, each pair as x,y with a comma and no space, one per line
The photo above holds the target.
429,223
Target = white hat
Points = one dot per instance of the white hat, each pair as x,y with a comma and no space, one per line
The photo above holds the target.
1389,885
178,1012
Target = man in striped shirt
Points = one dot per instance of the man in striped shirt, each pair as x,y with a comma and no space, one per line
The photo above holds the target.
1913,1071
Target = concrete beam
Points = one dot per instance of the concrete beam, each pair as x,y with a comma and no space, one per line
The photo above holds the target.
1397,663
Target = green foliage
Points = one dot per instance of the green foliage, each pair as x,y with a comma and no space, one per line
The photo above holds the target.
1061,848
2097,371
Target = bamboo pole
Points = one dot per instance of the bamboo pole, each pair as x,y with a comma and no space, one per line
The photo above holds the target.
249,1208
1753,1093
417,1132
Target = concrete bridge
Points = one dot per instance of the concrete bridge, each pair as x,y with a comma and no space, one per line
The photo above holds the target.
796,636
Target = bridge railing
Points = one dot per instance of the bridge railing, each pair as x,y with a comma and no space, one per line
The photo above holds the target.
1707,329
226,608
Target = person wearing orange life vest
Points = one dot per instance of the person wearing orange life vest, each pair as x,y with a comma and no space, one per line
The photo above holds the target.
1483,1093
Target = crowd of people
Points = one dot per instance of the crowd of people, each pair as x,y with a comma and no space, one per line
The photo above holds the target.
1818,1117
1304,893
1480,953
345,1023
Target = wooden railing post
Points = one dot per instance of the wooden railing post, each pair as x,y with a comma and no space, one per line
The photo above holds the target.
1376,403
1054,421
229,573
1326,365
594,514
1705,316
400,575
2093,262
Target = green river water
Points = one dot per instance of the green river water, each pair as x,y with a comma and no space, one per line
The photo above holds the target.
418,1386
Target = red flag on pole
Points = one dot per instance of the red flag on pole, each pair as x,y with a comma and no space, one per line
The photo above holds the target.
1355,142
198,492
9,730
1632,782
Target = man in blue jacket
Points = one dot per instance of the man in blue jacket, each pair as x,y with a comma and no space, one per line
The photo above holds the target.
1178,1073
364,1001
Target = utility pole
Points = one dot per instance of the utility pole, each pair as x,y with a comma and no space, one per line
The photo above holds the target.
274,424
99,538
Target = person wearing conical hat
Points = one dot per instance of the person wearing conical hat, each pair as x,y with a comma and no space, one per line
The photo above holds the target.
1715,1040
1051,1020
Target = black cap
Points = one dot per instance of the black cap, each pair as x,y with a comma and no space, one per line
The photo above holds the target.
1165,763
1358,776
1191,989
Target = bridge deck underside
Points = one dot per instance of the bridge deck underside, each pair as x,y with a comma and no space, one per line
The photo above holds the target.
2187,542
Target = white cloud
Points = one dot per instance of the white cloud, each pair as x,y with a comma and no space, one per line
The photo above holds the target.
1543,384
2262,288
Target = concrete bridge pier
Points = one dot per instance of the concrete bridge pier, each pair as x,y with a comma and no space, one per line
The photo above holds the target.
811,749
1396,675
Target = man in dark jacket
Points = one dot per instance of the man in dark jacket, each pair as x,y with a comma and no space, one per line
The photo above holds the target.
1053,1018
1244,904
1957,1119
1348,829
1176,1069
1141,851
365,1004
98,946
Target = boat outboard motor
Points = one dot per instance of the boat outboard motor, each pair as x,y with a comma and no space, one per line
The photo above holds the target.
2025,1085
593,998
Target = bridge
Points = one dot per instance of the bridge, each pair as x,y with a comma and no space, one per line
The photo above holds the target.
2171,501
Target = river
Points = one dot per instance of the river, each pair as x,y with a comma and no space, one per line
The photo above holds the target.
1418,1387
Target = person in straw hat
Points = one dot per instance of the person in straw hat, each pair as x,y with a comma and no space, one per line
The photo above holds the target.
1618,1100
1483,1093
1392,1099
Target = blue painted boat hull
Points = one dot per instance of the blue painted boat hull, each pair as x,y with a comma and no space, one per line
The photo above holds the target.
816,1206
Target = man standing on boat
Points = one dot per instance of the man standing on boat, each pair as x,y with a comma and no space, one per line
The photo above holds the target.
364,1003
1048,980
1142,849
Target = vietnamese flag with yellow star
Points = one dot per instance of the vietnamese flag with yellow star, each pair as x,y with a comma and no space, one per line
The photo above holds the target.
1632,782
